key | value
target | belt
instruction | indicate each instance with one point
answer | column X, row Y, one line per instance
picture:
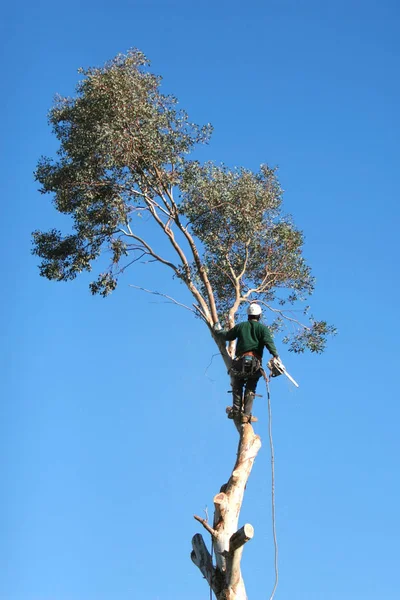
column 250, row 353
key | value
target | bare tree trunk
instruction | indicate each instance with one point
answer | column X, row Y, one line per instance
column 225, row 578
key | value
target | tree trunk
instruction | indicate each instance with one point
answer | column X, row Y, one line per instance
column 225, row 577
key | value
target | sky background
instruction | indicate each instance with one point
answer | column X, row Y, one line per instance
column 113, row 429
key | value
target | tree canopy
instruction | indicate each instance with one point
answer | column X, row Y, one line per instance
column 124, row 151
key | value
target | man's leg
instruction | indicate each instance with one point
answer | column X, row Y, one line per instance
column 237, row 393
column 249, row 393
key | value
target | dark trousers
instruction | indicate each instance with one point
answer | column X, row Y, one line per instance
column 247, row 385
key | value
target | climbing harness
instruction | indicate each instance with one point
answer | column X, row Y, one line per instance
column 276, row 368
column 245, row 366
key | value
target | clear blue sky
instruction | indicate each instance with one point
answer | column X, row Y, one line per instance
column 104, row 457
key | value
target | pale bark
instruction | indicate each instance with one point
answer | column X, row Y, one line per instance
column 221, row 344
column 225, row 578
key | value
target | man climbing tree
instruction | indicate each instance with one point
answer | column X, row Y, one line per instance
column 252, row 336
column 123, row 154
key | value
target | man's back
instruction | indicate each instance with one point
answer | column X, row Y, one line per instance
column 251, row 336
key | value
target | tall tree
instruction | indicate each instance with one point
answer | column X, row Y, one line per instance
column 124, row 151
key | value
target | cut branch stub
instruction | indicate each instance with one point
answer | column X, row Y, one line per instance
column 201, row 556
column 221, row 506
column 242, row 536
column 202, row 559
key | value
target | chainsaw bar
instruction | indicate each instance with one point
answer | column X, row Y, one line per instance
column 277, row 368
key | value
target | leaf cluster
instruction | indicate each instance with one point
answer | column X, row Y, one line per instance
column 123, row 152
column 248, row 242
column 116, row 138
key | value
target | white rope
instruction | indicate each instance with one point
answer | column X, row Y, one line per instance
column 271, row 444
column 212, row 546
column 212, row 553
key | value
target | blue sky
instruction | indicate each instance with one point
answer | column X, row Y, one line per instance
column 113, row 432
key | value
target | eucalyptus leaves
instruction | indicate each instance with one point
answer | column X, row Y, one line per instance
column 124, row 151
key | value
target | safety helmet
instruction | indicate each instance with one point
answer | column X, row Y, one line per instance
column 254, row 310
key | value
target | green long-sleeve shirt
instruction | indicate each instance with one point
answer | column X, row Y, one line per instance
column 251, row 336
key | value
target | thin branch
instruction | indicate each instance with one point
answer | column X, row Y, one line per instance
column 209, row 365
column 170, row 234
column 153, row 203
column 236, row 304
column 282, row 313
column 202, row 315
column 225, row 273
column 209, row 210
column 137, row 287
column 137, row 209
column 265, row 283
column 159, row 193
column 173, row 213
column 133, row 191
column 201, row 270
column 200, row 267
column 260, row 288
column 130, row 233
column 205, row 525
column 122, row 269
column 246, row 258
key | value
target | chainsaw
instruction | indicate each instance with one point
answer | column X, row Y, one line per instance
column 276, row 368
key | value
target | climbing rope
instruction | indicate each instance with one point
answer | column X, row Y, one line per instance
column 212, row 550
column 271, row 444
column 212, row 553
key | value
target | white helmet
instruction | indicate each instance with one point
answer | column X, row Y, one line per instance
column 254, row 310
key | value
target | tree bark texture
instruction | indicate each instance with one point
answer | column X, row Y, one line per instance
column 225, row 577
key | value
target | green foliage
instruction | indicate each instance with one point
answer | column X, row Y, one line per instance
column 313, row 338
column 118, row 138
column 124, row 152
column 236, row 214
column 66, row 256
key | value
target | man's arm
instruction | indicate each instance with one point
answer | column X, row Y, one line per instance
column 269, row 342
column 227, row 335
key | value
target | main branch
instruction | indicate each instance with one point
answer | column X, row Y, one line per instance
column 225, row 577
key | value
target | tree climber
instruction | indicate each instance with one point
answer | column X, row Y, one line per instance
column 251, row 336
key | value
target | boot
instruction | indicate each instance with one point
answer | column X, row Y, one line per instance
column 232, row 413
